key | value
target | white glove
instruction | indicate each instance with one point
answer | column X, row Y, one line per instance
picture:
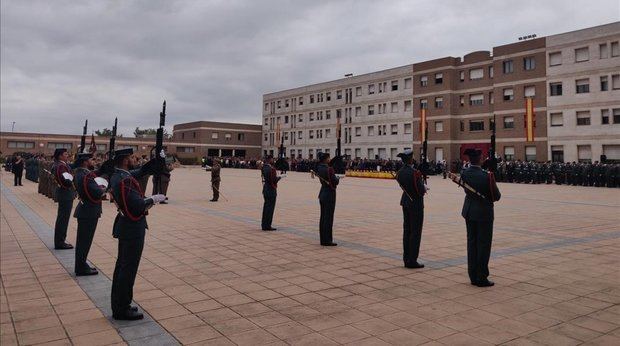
column 67, row 176
column 101, row 182
column 427, row 188
column 282, row 175
column 158, row 198
column 162, row 154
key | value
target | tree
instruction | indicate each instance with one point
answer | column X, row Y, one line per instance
column 148, row 133
column 106, row 132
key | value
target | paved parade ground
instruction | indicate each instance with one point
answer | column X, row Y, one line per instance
column 209, row 275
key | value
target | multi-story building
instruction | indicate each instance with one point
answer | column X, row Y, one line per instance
column 380, row 111
column 583, row 79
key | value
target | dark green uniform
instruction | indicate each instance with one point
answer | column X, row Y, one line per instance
column 270, row 192
column 87, row 213
column 64, row 195
column 327, row 200
column 412, row 202
column 479, row 216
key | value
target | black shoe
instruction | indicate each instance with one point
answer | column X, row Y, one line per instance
column 269, row 229
column 329, row 244
column 128, row 315
column 133, row 308
column 63, row 246
column 89, row 271
column 163, row 202
column 485, row 283
column 213, row 200
column 414, row 265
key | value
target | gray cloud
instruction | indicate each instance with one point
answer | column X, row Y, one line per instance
column 62, row 61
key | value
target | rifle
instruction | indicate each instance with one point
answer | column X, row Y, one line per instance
column 337, row 162
column 460, row 182
column 112, row 141
column 281, row 162
column 491, row 163
column 159, row 147
column 424, row 158
column 83, row 139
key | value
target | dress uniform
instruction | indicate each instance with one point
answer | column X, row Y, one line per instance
column 64, row 196
column 87, row 212
column 129, row 228
column 327, row 199
column 164, row 179
column 270, row 192
column 412, row 202
column 479, row 216
column 215, row 180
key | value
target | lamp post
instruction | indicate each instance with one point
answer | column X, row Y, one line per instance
column 13, row 127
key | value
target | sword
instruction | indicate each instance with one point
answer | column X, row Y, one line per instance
column 218, row 191
column 460, row 182
column 395, row 175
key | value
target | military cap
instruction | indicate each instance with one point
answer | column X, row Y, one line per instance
column 81, row 157
column 59, row 152
column 472, row 152
column 123, row 152
column 405, row 154
column 322, row 156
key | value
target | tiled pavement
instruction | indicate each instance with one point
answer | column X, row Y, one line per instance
column 209, row 276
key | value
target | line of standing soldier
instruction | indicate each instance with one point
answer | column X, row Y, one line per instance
column 575, row 173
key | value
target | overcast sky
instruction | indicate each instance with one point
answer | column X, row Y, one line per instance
column 64, row 61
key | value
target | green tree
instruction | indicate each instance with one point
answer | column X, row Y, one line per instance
column 106, row 132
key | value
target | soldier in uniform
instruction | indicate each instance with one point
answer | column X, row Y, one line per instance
column 87, row 212
column 215, row 180
column 270, row 192
column 327, row 199
column 412, row 201
column 64, row 195
column 165, row 181
column 129, row 228
column 478, row 214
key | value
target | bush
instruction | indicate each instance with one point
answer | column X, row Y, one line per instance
column 189, row 160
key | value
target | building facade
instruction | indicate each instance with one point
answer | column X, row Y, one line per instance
column 380, row 111
column 583, row 84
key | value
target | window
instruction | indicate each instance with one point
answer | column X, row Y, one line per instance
column 301, row 100
column 67, row 146
column 462, row 126
column 603, row 52
column 266, row 138
column 509, row 153
column 529, row 63
column 240, row 136
column 358, row 111
column 371, row 153
column 555, row 59
column 23, row 145
column 491, row 101
column 557, row 153
column 616, row 112
column 615, row 49
column 328, row 96
column 408, row 83
column 476, row 99
column 476, row 73
column 328, row 115
column 311, row 116
column 462, row 76
column 382, row 87
column 582, row 54
column 582, row 86
column 371, row 109
column 394, row 85
column 358, row 131
column 279, row 104
column 227, row 136
column 490, row 71
column 509, row 94
column 328, row 133
column 529, row 91
column 311, row 134
column 438, row 78
column 556, row 119
column 508, row 66
column 583, row 118
column 358, row 91
column 462, row 100
column 604, row 83
column 394, row 129
column 286, row 119
column 339, row 94
column 476, row 125
column 382, row 130
column 423, row 104
column 214, row 135
column 555, row 89
column 584, row 153
column 266, row 106
column 300, row 118
column 286, row 103
column 509, row 122
column 530, row 153
column 185, row 149
column 408, row 105
column 424, row 81
column 408, row 128
column 615, row 81
column 299, row 134
column 371, row 89
column 438, row 102
column 311, row 98
column 438, row 126
column 371, row 130
column 604, row 116
column 394, row 107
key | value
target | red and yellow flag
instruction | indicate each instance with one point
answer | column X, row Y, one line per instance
column 423, row 125
column 530, row 122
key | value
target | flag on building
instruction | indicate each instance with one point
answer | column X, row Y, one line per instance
column 530, row 120
column 423, row 125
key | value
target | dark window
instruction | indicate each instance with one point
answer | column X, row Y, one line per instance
column 509, row 122
column 476, row 125
column 583, row 87
column 240, row 136
column 616, row 115
column 529, row 63
column 286, row 119
column 339, row 94
column 604, row 83
column 438, row 78
column 193, row 134
column 555, row 89
column 605, row 116
column 583, row 121
column 462, row 126
column 508, row 66
column 183, row 135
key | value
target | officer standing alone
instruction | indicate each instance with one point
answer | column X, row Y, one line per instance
column 479, row 215
column 270, row 192
column 215, row 180
column 327, row 199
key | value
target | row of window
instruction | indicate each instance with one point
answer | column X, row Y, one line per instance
column 582, row 54
column 583, row 118
column 582, row 86
column 58, row 145
column 216, row 135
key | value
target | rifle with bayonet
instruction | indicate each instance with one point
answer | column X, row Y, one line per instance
column 83, row 139
column 160, row 156
column 491, row 163
column 337, row 162
column 424, row 156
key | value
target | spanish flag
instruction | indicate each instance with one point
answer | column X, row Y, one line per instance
column 530, row 120
column 423, row 125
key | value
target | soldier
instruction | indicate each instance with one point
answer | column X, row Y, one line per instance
column 165, row 181
column 87, row 212
column 64, row 195
column 129, row 228
column 18, row 170
column 215, row 180
column 412, row 201
column 270, row 192
column 478, row 214
column 327, row 199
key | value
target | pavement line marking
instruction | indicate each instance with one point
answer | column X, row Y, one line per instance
column 97, row 287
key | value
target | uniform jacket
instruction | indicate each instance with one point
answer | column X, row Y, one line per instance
column 270, row 180
column 329, row 181
column 412, row 184
column 64, row 191
column 130, row 221
column 89, row 193
column 215, row 173
column 476, row 208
